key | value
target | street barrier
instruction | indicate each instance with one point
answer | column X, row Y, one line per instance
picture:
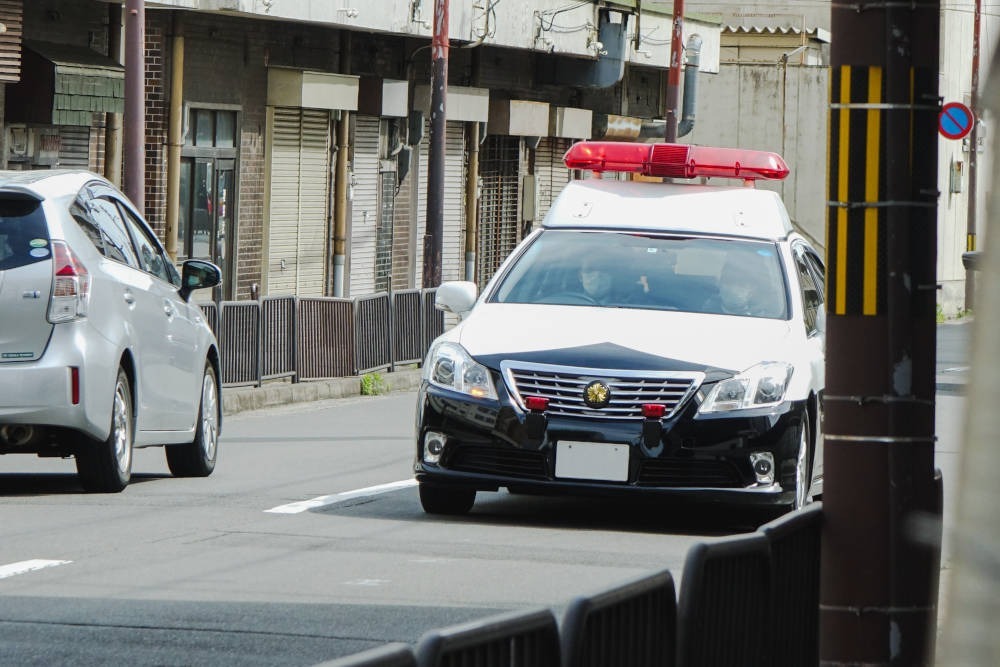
column 725, row 603
column 396, row 654
column 632, row 624
column 320, row 338
column 521, row 638
column 794, row 541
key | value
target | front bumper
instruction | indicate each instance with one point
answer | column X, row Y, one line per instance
column 493, row 444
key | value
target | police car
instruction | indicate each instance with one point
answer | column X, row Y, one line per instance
column 651, row 337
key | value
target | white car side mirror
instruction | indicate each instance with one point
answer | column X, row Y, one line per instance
column 457, row 296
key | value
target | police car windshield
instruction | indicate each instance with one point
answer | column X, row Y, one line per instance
column 627, row 270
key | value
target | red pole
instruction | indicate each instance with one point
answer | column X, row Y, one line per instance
column 674, row 73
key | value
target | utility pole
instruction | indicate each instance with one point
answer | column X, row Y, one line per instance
column 435, row 166
column 877, row 585
column 674, row 73
column 134, row 139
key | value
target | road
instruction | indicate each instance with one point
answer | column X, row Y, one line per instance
column 295, row 551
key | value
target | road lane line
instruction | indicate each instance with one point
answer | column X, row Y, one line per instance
column 323, row 501
column 24, row 566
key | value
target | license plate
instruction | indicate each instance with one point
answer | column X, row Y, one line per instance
column 592, row 460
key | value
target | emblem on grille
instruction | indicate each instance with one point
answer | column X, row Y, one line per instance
column 596, row 394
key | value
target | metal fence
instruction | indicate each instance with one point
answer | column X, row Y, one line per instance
column 317, row 338
column 745, row 600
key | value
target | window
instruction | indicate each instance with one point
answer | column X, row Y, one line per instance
column 811, row 286
column 117, row 244
column 151, row 257
column 24, row 238
column 211, row 128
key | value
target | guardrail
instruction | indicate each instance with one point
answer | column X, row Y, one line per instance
column 319, row 338
column 745, row 600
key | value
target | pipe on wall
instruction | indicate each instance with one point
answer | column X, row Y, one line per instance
column 113, row 120
column 471, row 200
column 342, row 177
column 175, row 138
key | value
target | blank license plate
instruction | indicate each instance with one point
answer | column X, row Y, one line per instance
column 592, row 460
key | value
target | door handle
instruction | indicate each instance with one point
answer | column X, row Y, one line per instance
column 168, row 310
column 129, row 297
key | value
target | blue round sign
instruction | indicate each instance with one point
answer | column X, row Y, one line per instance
column 955, row 120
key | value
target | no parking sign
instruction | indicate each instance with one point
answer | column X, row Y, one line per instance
column 955, row 120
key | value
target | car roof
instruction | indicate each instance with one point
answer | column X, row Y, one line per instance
column 670, row 207
column 46, row 183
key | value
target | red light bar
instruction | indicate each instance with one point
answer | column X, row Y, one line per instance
column 536, row 403
column 653, row 410
column 675, row 160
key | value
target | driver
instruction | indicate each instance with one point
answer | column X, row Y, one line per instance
column 596, row 280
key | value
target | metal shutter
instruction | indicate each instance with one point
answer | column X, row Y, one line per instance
column 499, row 165
column 298, row 195
column 453, row 226
column 364, row 205
column 550, row 172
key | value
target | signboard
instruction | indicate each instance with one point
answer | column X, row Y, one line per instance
column 955, row 120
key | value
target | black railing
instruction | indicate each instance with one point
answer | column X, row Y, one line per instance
column 317, row 338
column 745, row 600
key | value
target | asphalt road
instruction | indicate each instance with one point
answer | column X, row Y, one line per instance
column 295, row 551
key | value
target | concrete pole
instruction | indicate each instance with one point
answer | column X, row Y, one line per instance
column 135, row 103
column 973, row 205
column 674, row 73
column 435, row 167
column 878, row 584
column 175, row 138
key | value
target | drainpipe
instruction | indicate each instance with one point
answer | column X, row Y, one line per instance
column 175, row 131
column 112, row 119
column 674, row 73
column 135, row 101
column 342, row 178
column 693, row 52
column 471, row 201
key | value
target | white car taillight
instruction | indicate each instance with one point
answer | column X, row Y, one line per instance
column 70, row 285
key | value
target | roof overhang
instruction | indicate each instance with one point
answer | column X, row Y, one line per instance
column 64, row 85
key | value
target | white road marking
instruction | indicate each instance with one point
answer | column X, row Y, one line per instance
column 367, row 582
column 24, row 566
column 323, row 501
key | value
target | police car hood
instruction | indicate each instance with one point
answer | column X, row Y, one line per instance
column 621, row 338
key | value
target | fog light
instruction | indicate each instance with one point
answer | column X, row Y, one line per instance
column 763, row 467
column 433, row 446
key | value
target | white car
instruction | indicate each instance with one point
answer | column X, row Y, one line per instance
column 651, row 338
column 101, row 349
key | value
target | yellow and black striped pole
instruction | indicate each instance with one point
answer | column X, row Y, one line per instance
column 878, row 586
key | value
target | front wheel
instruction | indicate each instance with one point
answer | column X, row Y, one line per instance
column 446, row 500
column 802, row 478
column 197, row 458
column 106, row 466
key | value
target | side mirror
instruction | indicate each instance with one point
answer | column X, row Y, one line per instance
column 972, row 260
column 198, row 274
column 457, row 296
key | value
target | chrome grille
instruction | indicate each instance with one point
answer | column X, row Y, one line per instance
column 564, row 385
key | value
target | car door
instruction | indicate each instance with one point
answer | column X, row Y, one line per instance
column 25, row 279
column 181, row 359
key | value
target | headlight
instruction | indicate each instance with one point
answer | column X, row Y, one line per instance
column 760, row 386
column 450, row 366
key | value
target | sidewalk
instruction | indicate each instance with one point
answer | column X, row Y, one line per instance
column 282, row 392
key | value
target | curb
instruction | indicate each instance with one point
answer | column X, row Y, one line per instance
column 283, row 392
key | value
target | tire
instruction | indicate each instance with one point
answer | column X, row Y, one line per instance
column 106, row 466
column 802, row 477
column 197, row 458
column 446, row 500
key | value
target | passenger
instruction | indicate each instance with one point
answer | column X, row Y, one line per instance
column 744, row 290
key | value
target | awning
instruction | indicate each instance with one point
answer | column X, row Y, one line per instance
column 64, row 85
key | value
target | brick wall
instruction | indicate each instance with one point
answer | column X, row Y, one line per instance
column 156, row 129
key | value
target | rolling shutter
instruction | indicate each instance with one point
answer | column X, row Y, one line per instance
column 299, row 196
column 550, row 172
column 364, row 205
column 499, row 165
column 453, row 224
